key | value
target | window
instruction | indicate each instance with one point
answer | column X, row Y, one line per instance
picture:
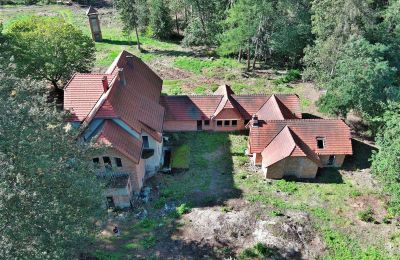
column 227, row 123
column 206, row 122
column 219, row 123
column 118, row 162
column 234, row 122
column 331, row 160
column 96, row 161
column 145, row 141
column 107, row 161
column 320, row 142
column 246, row 122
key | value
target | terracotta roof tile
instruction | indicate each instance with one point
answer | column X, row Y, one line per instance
column 336, row 133
column 136, row 102
column 116, row 137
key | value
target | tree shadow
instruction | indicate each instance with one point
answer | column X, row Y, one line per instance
column 360, row 159
column 118, row 42
column 174, row 53
column 310, row 116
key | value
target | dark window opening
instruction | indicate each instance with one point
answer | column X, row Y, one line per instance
column 246, row 122
column 118, row 162
column 96, row 160
column 227, row 123
column 145, row 141
column 110, row 202
column 199, row 125
column 331, row 160
column 320, row 142
column 107, row 161
column 206, row 122
column 234, row 122
column 219, row 123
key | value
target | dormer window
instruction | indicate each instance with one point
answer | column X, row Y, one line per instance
column 321, row 142
column 145, row 141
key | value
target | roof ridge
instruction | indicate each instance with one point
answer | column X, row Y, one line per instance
column 306, row 119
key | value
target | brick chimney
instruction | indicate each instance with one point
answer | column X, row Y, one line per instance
column 254, row 121
column 105, row 83
column 121, row 75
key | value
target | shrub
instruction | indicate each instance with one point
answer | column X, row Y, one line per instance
column 286, row 186
column 182, row 209
column 366, row 215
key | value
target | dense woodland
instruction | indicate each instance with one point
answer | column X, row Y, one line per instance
column 350, row 48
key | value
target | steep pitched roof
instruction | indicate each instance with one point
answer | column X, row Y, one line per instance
column 116, row 137
column 227, row 103
column 336, row 133
column 136, row 102
column 274, row 109
column 82, row 92
column 285, row 144
column 201, row 107
column 252, row 103
column 91, row 10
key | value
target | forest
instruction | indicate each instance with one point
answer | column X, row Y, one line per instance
column 348, row 49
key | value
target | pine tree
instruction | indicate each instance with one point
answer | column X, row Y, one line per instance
column 160, row 19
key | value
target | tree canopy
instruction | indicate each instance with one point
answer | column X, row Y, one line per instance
column 49, row 196
column 49, row 48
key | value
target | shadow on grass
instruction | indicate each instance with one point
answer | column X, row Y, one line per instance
column 360, row 159
column 118, row 42
column 173, row 53
column 324, row 175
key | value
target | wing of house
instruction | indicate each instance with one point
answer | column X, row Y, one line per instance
column 225, row 111
column 298, row 146
column 120, row 109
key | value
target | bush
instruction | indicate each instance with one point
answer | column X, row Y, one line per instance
column 259, row 251
column 366, row 215
column 182, row 209
column 290, row 76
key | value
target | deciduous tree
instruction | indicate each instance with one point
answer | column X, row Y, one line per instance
column 49, row 196
column 49, row 48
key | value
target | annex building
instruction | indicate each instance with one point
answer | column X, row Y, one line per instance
column 123, row 109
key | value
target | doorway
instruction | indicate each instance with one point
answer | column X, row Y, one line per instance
column 199, row 125
column 110, row 202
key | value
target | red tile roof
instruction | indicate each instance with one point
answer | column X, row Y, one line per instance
column 336, row 133
column 116, row 137
column 286, row 144
column 194, row 107
column 82, row 92
column 274, row 109
column 201, row 107
column 136, row 102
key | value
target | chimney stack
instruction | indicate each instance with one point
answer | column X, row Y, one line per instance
column 254, row 121
column 105, row 83
column 121, row 75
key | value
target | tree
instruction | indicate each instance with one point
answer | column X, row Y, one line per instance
column 386, row 162
column 50, row 198
column 205, row 21
column 160, row 19
column 276, row 31
column 363, row 81
column 129, row 11
column 333, row 23
column 177, row 6
column 49, row 48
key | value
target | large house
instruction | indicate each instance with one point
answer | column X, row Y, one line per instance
column 123, row 109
